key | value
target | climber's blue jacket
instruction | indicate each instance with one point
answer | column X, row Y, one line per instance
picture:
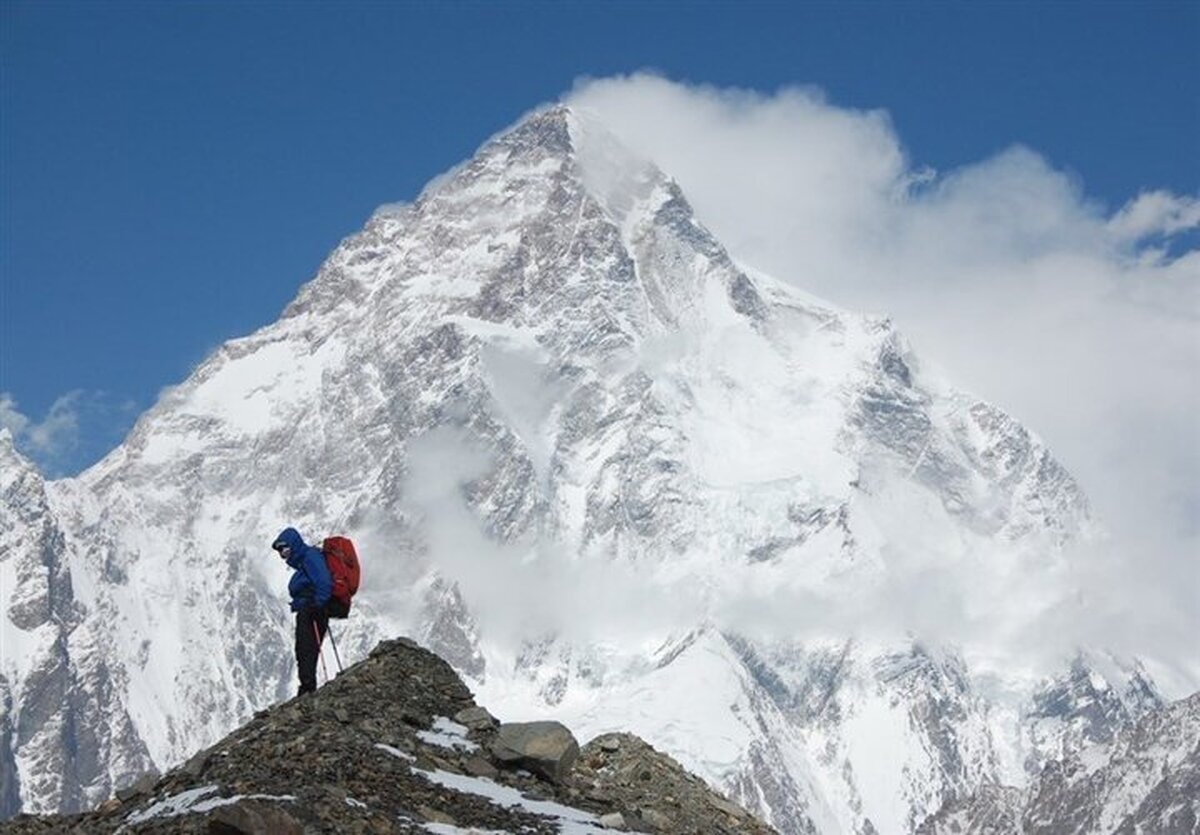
column 311, row 585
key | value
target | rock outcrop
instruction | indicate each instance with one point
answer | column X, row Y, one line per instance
column 396, row 744
column 654, row 791
column 1146, row 779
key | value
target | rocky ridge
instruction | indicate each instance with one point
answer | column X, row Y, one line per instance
column 396, row 744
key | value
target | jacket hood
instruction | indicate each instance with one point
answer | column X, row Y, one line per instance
column 292, row 539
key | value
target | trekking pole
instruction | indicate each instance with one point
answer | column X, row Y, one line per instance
column 320, row 652
column 333, row 643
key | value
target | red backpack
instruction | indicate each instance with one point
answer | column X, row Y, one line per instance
column 342, row 560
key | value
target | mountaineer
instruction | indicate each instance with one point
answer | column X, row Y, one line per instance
column 311, row 587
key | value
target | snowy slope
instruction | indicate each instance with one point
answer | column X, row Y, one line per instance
column 602, row 469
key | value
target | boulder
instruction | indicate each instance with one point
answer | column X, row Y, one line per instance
column 194, row 767
column 250, row 817
column 732, row 809
column 476, row 718
column 657, row 821
column 436, row 816
column 614, row 820
column 479, row 767
column 545, row 748
column 143, row 785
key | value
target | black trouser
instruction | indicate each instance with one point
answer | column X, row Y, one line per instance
column 309, row 623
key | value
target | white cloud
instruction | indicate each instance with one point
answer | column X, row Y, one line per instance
column 51, row 440
column 10, row 416
column 524, row 589
column 1155, row 213
column 1005, row 273
column 58, row 432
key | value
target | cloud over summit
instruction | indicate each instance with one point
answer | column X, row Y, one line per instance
column 1081, row 320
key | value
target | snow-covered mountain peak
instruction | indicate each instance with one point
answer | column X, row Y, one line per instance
column 555, row 200
column 563, row 426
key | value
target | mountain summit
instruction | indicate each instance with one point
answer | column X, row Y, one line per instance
column 598, row 466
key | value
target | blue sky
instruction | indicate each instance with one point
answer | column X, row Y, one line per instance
column 171, row 173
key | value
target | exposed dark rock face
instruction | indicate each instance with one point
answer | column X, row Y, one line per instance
column 993, row 810
column 1145, row 779
column 1091, row 715
column 375, row 751
column 10, row 794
